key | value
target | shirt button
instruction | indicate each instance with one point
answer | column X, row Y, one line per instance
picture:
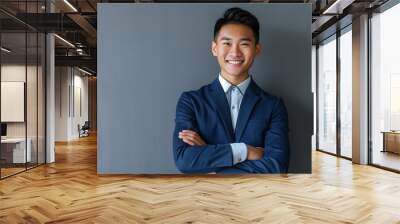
column 233, row 107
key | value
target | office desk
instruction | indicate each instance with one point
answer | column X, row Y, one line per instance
column 391, row 141
column 15, row 148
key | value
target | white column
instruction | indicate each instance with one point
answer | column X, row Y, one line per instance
column 50, row 110
column 50, row 92
column 360, row 90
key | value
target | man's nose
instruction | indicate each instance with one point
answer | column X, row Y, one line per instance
column 235, row 49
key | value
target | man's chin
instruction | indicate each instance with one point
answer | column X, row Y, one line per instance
column 235, row 74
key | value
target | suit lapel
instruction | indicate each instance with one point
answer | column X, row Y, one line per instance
column 220, row 102
column 250, row 99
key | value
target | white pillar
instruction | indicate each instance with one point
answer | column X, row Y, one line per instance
column 360, row 90
column 50, row 91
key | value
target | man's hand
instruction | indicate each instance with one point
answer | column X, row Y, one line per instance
column 254, row 153
column 191, row 138
column 194, row 139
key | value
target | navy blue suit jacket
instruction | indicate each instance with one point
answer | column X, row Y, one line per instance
column 262, row 122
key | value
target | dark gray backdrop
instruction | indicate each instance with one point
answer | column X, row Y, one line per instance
column 148, row 54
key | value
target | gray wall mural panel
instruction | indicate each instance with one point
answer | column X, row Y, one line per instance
column 148, row 54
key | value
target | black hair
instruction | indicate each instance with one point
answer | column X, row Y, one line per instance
column 238, row 16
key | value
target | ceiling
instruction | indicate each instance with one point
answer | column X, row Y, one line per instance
column 76, row 22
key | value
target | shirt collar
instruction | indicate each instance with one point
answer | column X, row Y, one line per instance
column 242, row 86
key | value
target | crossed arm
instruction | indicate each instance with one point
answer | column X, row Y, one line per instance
column 194, row 139
column 193, row 155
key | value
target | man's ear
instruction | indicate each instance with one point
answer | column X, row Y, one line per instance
column 258, row 49
column 214, row 48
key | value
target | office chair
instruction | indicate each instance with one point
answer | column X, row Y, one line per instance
column 84, row 130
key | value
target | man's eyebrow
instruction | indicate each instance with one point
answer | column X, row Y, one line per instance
column 242, row 39
column 225, row 38
column 245, row 39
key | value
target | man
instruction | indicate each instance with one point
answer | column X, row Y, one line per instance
column 232, row 125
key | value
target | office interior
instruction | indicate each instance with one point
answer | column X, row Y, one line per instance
column 49, row 75
column 32, row 118
column 334, row 73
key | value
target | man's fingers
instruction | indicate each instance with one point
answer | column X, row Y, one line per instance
column 188, row 141
column 186, row 133
column 199, row 141
column 189, row 131
column 188, row 136
column 192, row 137
column 192, row 140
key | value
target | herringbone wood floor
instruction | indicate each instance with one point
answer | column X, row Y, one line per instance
column 70, row 191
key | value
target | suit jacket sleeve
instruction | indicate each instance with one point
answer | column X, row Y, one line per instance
column 276, row 145
column 277, row 148
column 196, row 159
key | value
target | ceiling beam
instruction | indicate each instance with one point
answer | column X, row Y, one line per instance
column 84, row 24
column 84, row 61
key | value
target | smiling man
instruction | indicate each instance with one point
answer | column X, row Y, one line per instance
column 231, row 125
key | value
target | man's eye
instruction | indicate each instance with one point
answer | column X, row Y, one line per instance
column 245, row 44
column 226, row 43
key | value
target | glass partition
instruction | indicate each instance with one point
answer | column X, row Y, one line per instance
column 22, row 78
column 385, row 89
column 14, row 153
column 327, row 95
column 32, row 95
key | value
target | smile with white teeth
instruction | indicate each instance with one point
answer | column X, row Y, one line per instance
column 235, row 62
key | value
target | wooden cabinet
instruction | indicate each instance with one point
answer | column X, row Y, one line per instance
column 391, row 142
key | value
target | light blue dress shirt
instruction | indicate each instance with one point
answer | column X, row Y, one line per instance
column 234, row 95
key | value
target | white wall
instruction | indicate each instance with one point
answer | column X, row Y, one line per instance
column 61, row 103
column 70, row 83
column 80, row 110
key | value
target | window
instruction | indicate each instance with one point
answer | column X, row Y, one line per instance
column 346, row 92
column 327, row 95
column 385, row 88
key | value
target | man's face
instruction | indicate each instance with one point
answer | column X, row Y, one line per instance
column 235, row 48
